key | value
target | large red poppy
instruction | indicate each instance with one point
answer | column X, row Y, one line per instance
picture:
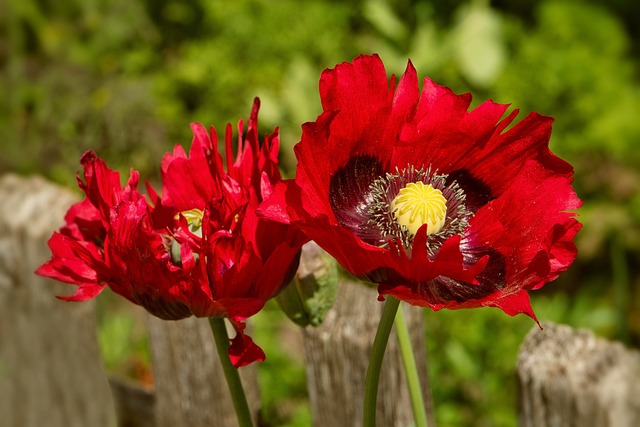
column 441, row 206
column 198, row 249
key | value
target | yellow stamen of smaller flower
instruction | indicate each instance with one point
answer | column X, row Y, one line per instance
column 193, row 217
column 417, row 204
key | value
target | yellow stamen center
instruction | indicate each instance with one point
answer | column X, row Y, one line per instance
column 417, row 204
column 193, row 217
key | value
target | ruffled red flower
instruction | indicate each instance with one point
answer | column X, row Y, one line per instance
column 498, row 225
column 199, row 249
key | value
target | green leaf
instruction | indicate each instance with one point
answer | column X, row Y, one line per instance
column 382, row 17
column 478, row 44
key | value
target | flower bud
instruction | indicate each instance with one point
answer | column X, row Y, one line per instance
column 310, row 295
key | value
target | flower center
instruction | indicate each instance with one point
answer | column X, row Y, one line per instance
column 194, row 219
column 400, row 203
column 417, row 204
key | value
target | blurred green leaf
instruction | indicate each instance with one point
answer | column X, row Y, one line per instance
column 380, row 14
column 478, row 43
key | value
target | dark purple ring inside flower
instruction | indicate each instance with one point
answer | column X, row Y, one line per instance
column 381, row 206
column 362, row 194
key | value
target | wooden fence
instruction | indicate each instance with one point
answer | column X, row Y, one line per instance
column 51, row 372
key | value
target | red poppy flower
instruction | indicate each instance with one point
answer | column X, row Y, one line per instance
column 199, row 249
column 441, row 206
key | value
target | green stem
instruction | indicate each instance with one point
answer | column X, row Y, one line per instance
column 221, row 338
column 375, row 360
column 410, row 370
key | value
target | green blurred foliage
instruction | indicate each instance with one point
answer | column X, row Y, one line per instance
column 126, row 78
column 123, row 339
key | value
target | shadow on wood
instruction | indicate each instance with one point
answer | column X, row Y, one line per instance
column 135, row 405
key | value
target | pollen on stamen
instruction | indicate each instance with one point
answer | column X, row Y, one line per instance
column 403, row 201
column 417, row 204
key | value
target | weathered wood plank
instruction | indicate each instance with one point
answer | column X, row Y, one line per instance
column 337, row 355
column 570, row 378
column 50, row 366
column 190, row 387
column 135, row 405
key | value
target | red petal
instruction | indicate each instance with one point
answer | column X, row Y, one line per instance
column 432, row 132
column 83, row 293
column 405, row 98
column 188, row 182
column 563, row 249
column 357, row 100
column 509, row 151
column 73, row 261
column 244, row 351
column 275, row 207
column 513, row 304
column 355, row 87
column 83, row 222
column 238, row 309
column 537, row 238
column 102, row 185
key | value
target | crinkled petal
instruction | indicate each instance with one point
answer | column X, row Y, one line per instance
column 243, row 351
column 276, row 207
column 188, row 181
column 83, row 222
column 75, row 262
column 517, row 193
column 102, row 185
column 513, row 304
column 537, row 239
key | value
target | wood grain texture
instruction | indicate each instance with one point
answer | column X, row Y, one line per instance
column 190, row 388
column 337, row 356
column 571, row 378
column 51, row 371
column 135, row 405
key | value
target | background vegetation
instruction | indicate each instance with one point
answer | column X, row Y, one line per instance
column 125, row 78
